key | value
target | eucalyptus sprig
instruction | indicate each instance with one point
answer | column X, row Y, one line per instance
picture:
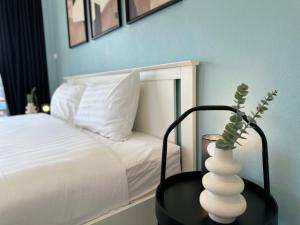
column 237, row 127
column 31, row 95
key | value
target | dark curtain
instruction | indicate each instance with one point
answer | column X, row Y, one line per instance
column 23, row 62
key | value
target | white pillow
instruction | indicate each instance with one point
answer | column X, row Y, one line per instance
column 65, row 101
column 109, row 107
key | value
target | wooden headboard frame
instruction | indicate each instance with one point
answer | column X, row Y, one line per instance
column 161, row 101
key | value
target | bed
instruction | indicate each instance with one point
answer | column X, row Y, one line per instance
column 66, row 175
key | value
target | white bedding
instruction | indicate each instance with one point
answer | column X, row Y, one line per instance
column 59, row 177
column 141, row 155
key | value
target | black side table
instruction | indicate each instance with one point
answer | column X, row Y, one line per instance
column 178, row 203
column 177, row 198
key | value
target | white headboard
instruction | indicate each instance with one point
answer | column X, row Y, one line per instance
column 159, row 105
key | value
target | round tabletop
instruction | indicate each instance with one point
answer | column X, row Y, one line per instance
column 177, row 203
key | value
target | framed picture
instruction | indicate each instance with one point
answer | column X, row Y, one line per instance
column 137, row 9
column 77, row 23
column 105, row 16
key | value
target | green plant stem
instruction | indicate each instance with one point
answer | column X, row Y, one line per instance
column 254, row 116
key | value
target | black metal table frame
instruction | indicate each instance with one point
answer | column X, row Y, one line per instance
column 217, row 108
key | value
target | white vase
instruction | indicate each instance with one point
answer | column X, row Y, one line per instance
column 30, row 108
column 222, row 197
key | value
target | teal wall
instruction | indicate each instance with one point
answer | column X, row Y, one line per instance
column 256, row 42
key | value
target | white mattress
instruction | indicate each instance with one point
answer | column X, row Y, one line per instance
column 54, row 173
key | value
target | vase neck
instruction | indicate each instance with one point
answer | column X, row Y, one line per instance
column 223, row 154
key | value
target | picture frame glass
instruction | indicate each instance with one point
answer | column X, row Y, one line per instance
column 137, row 9
column 77, row 23
column 105, row 16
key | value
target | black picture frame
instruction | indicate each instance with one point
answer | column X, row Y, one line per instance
column 85, row 27
column 130, row 19
column 119, row 13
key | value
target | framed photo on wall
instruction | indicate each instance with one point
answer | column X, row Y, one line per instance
column 105, row 16
column 77, row 23
column 137, row 9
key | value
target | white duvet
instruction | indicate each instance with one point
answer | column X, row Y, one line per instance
column 54, row 174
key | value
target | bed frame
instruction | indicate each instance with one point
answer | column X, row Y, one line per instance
column 166, row 91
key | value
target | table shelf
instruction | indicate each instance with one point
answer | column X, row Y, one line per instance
column 177, row 203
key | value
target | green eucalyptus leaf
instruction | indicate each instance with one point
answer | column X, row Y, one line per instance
column 251, row 120
column 242, row 87
column 238, row 96
column 244, row 132
column 236, row 118
column 270, row 97
column 242, row 92
column 234, row 134
column 228, row 140
column 232, row 129
column 231, row 126
column 229, row 137
column 241, row 113
column 223, row 145
column 239, row 125
column 241, row 101
column 29, row 98
column 260, row 108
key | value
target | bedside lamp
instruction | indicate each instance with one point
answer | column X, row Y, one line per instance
column 45, row 108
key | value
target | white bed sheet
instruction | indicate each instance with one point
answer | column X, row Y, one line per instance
column 141, row 155
column 59, row 182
